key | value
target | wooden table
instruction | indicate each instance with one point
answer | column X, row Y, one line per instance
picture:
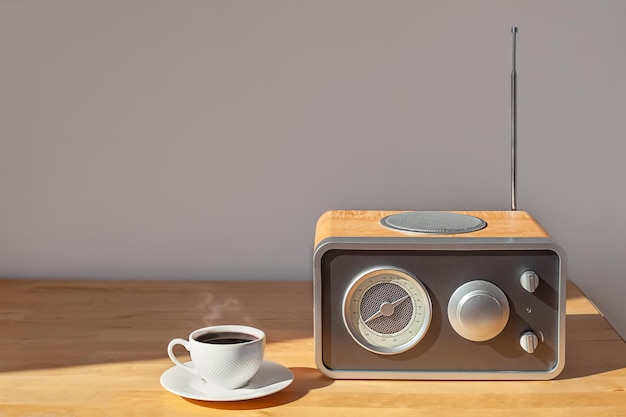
column 98, row 348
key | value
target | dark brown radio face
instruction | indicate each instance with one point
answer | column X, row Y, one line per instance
column 491, row 309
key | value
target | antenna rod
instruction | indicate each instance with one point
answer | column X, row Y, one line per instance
column 514, row 126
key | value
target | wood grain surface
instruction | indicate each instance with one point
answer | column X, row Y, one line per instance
column 98, row 348
column 366, row 223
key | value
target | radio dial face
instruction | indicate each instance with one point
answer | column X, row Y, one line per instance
column 387, row 310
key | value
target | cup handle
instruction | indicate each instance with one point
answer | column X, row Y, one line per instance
column 173, row 357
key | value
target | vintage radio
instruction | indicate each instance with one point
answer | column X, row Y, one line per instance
column 439, row 294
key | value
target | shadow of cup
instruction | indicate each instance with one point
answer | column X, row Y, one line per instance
column 305, row 380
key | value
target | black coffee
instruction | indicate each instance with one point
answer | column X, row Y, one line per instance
column 225, row 338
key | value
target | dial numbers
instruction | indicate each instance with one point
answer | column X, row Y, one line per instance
column 387, row 310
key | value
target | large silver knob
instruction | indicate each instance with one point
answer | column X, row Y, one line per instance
column 478, row 310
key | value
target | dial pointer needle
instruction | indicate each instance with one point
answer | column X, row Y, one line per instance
column 386, row 309
column 398, row 301
column 373, row 316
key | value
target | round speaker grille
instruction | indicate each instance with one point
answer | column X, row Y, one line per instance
column 386, row 293
column 442, row 222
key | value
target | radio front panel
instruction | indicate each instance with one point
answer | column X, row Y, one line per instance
column 423, row 308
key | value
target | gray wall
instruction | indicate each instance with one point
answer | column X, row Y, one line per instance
column 202, row 139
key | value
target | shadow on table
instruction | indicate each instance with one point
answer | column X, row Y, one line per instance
column 305, row 380
column 591, row 347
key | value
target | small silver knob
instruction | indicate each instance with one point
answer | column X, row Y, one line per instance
column 529, row 342
column 529, row 281
column 478, row 310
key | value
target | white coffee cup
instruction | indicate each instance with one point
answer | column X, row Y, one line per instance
column 225, row 356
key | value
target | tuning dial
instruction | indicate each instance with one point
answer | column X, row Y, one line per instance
column 478, row 310
column 529, row 341
column 529, row 281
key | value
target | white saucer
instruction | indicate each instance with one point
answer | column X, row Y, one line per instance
column 271, row 378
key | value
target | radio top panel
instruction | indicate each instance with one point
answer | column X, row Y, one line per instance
column 367, row 223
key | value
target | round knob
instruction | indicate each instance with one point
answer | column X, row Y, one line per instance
column 529, row 281
column 478, row 310
column 529, row 341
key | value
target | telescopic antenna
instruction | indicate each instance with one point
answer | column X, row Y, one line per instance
column 514, row 126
